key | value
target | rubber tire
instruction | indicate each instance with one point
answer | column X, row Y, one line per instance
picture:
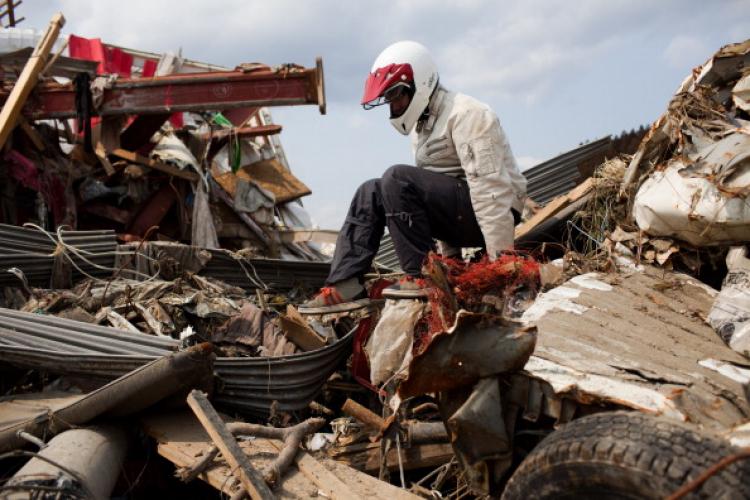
column 626, row 455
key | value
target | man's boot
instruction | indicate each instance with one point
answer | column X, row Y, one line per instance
column 345, row 295
column 407, row 287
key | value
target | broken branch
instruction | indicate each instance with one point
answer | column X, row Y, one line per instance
column 291, row 436
column 187, row 474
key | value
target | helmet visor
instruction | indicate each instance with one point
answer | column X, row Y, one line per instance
column 393, row 92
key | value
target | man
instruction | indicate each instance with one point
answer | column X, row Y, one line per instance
column 466, row 190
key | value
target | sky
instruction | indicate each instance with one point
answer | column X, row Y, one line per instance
column 556, row 72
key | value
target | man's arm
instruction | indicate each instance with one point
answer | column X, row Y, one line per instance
column 486, row 158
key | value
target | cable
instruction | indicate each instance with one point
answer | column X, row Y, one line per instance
column 74, row 475
column 711, row 471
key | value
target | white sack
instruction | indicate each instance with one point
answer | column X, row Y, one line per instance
column 681, row 202
column 389, row 347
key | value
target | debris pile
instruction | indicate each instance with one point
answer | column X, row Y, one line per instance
column 687, row 182
column 164, row 253
column 191, row 155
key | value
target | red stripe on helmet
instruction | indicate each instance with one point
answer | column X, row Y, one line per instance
column 382, row 78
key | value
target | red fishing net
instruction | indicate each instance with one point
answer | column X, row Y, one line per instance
column 474, row 286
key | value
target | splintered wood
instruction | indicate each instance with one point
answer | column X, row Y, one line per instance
column 554, row 207
column 182, row 441
column 250, row 478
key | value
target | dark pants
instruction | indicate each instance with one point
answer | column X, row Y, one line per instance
column 417, row 206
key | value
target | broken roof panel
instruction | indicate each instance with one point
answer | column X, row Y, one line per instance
column 560, row 174
column 637, row 340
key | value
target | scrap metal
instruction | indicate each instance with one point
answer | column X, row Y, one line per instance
column 33, row 251
column 94, row 454
column 186, row 92
column 129, row 394
column 250, row 385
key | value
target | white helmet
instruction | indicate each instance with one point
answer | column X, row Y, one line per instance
column 406, row 66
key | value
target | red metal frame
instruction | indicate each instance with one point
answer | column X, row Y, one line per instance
column 186, row 92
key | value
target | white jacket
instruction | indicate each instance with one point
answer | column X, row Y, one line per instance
column 462, row 137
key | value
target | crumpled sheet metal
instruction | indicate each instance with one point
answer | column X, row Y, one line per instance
column 290, row 382
column 246, row 384
column 590, row 388
column 478, row 433
column 129, row 394
column 477, row 346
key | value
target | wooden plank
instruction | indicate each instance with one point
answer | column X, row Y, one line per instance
column 555, row 206
column 303, row 235
column 28, row 78
column 134, row 157
column 298, row 331
column 250, row 478
column 324, row 479
column 366, row 456
column 262, row 130
column 272, row 176
column 31, row 133
column 182, row 441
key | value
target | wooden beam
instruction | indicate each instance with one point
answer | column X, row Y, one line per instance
column 298, row 331
column 250, row 478
column 31, row 133
column 364, row 415
column 555, row 206
column 328, row 482
column 10, row 5
column 261, row 130
column 28, row 78
column 366, row 456
column 182, row 441
column 134, row 157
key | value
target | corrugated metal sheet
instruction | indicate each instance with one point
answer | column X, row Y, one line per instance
column 33, row 252
column 278, row 275
column 249, row 385
column 232, row 268
column 560, row 174
column 386, row 257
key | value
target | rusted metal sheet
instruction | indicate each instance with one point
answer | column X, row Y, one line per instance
column 635, row 340
column 476, row 346
column 154, row 211
column 186, row 92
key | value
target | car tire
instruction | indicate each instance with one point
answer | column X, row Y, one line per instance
column 626, row 455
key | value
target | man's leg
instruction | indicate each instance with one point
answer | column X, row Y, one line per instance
column 359, row 238
column 421, row 205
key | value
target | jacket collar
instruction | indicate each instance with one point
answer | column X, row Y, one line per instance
column 433, row 110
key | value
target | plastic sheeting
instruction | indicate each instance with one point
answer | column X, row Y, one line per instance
column 730, row 314
column 203, row 229
column 703, row 203
column 389, row 346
